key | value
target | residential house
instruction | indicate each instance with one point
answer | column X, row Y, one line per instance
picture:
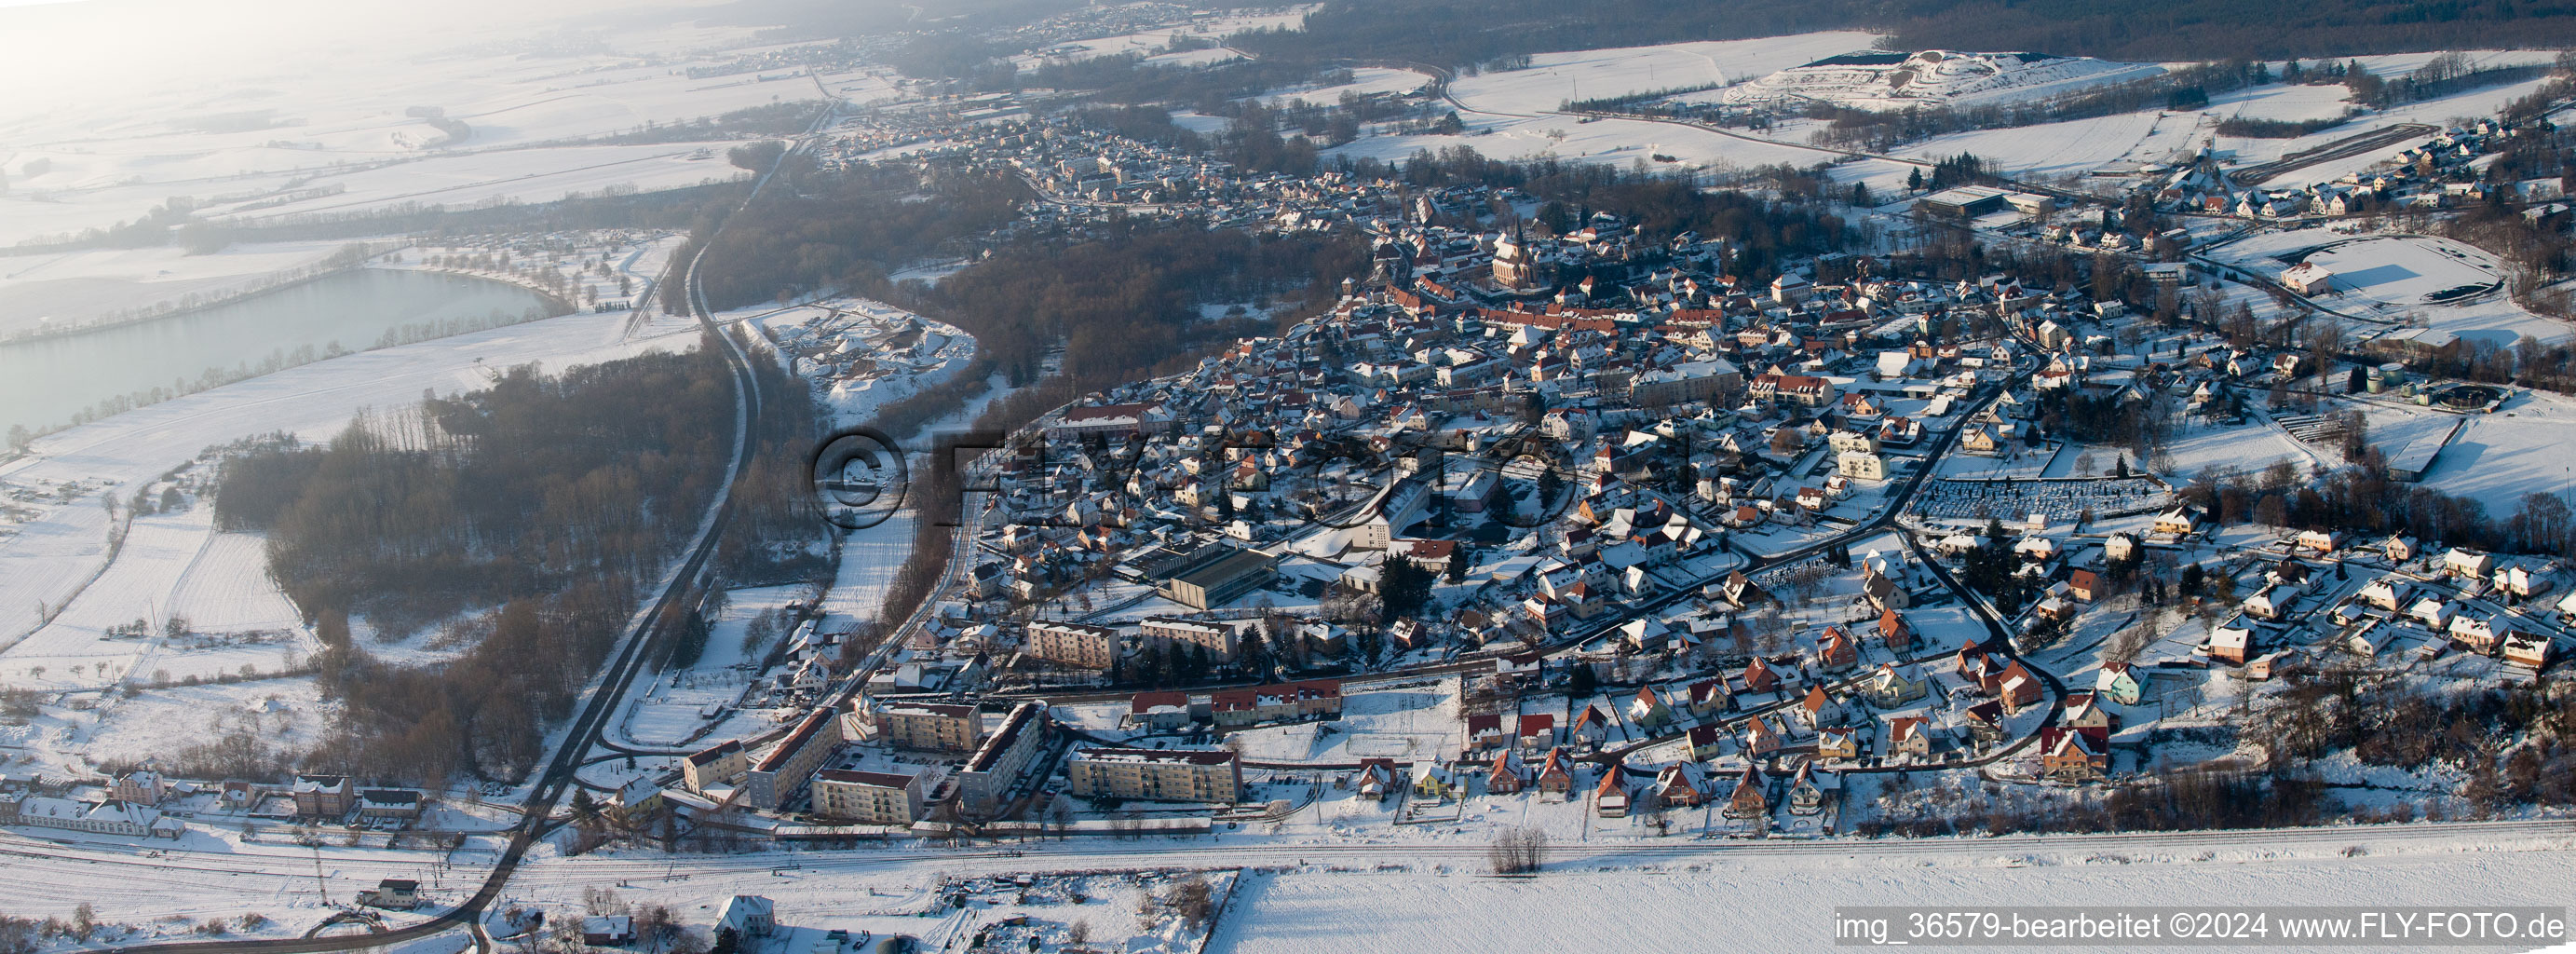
column 1647, row 709
column 1806, row 794
column 749, row 916
column 1820, row 709
column 2085, row 711
column 324, row 796
column 2232, row 642
column 1984, row 722
column 1909, row 736
column 1838, row 744
column 1537, row 731
column 1895, row 632
column 2528, row 649
column 1752, row 795
column 608, row 930
column 2086, row 585
column 1610, row 799
column 2073, row 754
column 1378, row 778
column 1836, row 652
column 2118, row 682
column 1556, row 776
column 2468, row 564
column 1759, row 677
column 1681, row 785
column 2180, row 521
column 1506, row 775
column 1895, row 685
column 1591, row 729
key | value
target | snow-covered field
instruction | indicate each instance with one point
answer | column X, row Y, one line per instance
column 2052, row 149
column 1891, row 81
column 517, row 175
column 221, row 124
column 1509, row 114
column 1153, row 41
column 2500, row 457
column 2385, row 279
column 287, row 714
column 2407, row 271
column 74, row 650
column 227, row 588
column 1403, row 725
column 1594, row 74
column 1617, row 141
column 1365, row 81
column 1790, row 904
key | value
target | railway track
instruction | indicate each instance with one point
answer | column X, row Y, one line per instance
column 583, row 733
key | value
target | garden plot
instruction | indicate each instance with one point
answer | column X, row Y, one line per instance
column 680, row 704
column 228, row 589
column 77, row 649
column 1403, row 725
column 287, row 714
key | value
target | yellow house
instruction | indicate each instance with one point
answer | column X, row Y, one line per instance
column 1977, row 440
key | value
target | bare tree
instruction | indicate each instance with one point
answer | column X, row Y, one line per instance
column 1518, row 850
column 1192, row 902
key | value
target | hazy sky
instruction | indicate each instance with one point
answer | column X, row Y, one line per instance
column 56, row 55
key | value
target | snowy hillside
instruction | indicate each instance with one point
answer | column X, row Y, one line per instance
column 1878, row 80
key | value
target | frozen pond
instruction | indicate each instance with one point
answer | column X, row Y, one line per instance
column 46, row 381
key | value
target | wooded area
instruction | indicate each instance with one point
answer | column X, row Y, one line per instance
column 1125, row 300
column 525, row 517
column 847, row 229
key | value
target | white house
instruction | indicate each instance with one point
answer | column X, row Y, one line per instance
column 2465, row 563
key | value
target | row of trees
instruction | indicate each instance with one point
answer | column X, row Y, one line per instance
column 2165, row 801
